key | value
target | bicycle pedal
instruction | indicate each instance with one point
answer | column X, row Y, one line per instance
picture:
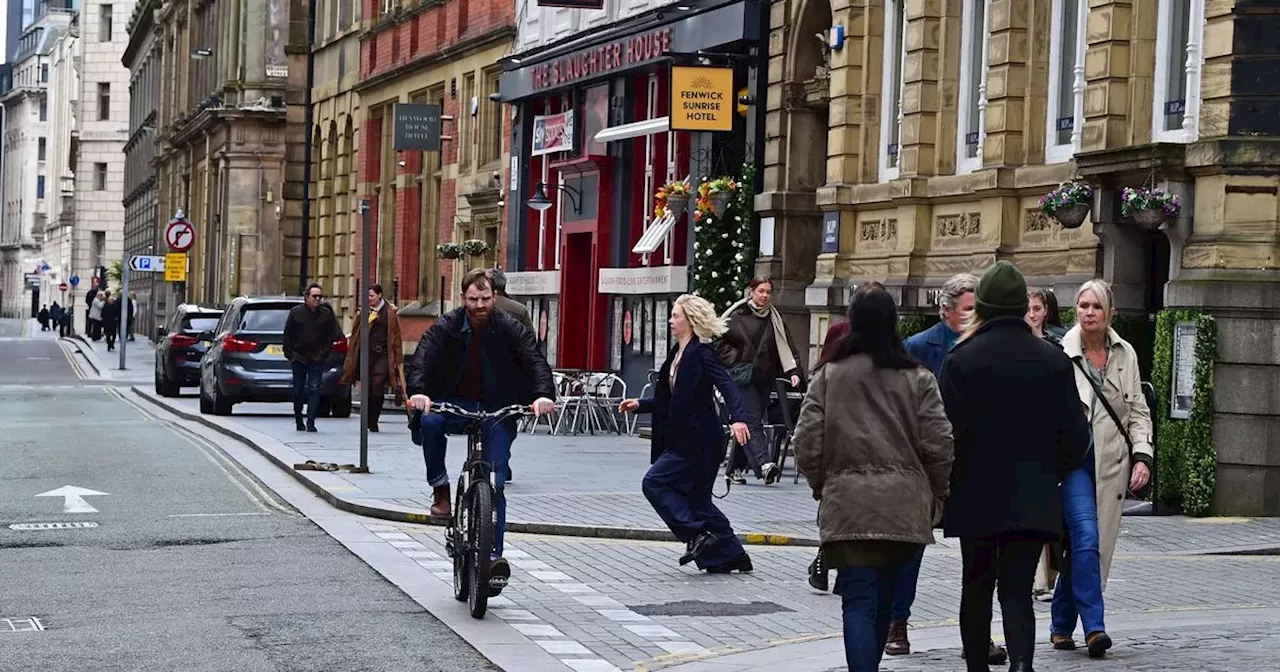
column 497, row 583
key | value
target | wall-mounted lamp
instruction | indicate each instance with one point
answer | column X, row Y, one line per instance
column 540, row 203
column 203, row 52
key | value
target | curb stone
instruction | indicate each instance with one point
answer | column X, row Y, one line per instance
column 406, row 515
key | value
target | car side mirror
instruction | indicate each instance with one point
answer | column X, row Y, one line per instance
column 206, row 336
column 161, row 332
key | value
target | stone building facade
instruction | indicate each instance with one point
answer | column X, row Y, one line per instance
column 445, row 54
column 57, row 153
column 142, row 233
column 939, row 123
column 331, row 259
column 231, row 141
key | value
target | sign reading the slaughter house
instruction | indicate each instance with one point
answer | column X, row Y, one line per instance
column 701, row 98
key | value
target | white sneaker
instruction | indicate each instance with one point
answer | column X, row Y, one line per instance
column 738, row 476
column 771, row 473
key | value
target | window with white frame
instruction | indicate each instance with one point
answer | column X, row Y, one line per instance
column 650, row 152
column 1179, row 35
column 545, row 178
column 895, row 20
column 566, row 105
column 973, row 86
column 1065, row 111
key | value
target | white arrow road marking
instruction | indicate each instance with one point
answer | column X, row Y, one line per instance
column 73, row 501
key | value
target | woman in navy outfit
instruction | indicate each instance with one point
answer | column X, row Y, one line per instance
column 688, row 441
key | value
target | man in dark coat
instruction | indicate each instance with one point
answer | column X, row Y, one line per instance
column 309, row 334
column 476, row 357
column 507, row 304
column 1019, row 430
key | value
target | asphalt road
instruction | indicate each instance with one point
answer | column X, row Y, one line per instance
column 190, row 564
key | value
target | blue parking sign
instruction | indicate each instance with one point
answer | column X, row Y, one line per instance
column 74, row 280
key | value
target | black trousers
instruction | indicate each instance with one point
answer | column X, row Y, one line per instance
column 755, row 403
column 1008, row 561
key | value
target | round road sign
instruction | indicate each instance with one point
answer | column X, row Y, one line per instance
column 75, row 280
column 63, row 287
column 180, row 235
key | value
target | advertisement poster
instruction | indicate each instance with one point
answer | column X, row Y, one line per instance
column 660, row 338
column 552, row 133
column 551, row 319
column 616, row 354
column 648, row 326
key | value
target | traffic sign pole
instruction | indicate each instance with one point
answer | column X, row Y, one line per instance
column 124, row 311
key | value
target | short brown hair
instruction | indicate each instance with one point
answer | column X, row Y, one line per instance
column 760, row 280
column 477, row 277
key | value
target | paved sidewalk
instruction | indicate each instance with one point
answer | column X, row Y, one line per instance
column 140, row 358
column 590, row 486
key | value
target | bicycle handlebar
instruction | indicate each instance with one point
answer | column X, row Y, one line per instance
column 500, row 414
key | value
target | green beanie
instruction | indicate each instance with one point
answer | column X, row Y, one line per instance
column 1001, row 291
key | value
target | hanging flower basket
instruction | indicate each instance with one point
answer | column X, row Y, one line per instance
column 1069, row 203
column 720, row 202
column 449, row 251
column 475, row 247
column 673, row 196
column 1148, row 206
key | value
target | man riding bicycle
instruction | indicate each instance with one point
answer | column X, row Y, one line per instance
column 478, row 358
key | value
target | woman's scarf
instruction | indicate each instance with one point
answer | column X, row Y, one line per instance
column 780, row 342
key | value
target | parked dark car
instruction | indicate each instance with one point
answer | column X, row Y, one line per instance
column 179, row 348
column 246, row 360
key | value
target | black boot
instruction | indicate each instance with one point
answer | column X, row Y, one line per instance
column 1020, row 666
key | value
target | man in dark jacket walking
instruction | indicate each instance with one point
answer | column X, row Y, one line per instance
column 309, row 333
column 507, row 304
column 1019, row 430
column 476, row 357
column 111, row 321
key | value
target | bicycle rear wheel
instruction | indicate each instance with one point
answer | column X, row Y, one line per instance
column 481, row 528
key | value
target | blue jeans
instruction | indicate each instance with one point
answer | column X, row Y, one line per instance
column 306, row 388
column 1079, row 590
column 904, row 592
column 496, row 437
column 866, row 596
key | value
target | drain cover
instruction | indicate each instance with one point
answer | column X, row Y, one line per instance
column 30, row 624
column 712, row 609
column 52, row 526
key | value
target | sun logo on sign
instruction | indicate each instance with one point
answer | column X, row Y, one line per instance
column 702, row 83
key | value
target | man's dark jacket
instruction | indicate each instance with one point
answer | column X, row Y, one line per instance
column 515, row 372
column 1019, row 430
column 309, row 334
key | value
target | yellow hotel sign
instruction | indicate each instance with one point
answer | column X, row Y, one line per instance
column 701, row 98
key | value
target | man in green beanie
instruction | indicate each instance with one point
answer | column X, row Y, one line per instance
column 1012, row 401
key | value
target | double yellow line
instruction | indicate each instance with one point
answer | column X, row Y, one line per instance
column 71, row 359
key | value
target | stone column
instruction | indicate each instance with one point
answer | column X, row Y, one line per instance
column 919, row 135
column 1006, row 83
column 1230, row 265
column 1107, row 70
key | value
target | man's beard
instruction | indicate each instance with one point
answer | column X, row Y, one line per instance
column 479, row 317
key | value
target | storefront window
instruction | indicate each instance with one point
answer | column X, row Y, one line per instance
column 595, row 118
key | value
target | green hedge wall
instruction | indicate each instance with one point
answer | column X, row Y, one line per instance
column 1186, row 463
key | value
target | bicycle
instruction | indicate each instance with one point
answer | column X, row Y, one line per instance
column 469, row 538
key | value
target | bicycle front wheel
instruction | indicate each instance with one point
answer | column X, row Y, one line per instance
column 481, row 536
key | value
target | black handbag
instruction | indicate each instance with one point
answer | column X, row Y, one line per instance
column 744, row 373
column 1145, row 490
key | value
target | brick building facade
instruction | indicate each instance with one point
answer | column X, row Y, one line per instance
column 444, row 54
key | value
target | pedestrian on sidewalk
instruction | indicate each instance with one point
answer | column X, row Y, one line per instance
column 955, row 307
column 818, row 569
column 1038, row 318
column 1019, row 431
column 111, row 321
column 64, row 322
column 133, row 315
column 875, row 445
column 476, row 357
column 768, row 352
column 43, row 317
column 386, row 353
column 687, row 440
column 309, row 334
column 1109, row 390
column 507, row 304
column 97, row 300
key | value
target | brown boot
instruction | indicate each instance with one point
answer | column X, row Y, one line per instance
column 440, row 506
column 897, row 644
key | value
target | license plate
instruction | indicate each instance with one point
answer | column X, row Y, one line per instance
column 275, row 350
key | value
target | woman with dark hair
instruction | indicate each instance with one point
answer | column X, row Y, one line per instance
column 1053, row 316
column 830, row 346
column 874, row 443
column 767, row 352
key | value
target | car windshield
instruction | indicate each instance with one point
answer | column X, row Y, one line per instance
column 264, row 318
column 203, row 322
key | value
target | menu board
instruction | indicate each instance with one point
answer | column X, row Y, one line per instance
column 1184, row 370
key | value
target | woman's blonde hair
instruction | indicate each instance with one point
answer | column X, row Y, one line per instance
column 1106, row 298
column 970, row 327
column 706, row 325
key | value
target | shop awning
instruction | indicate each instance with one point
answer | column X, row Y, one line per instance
column 635, row 129
column 656, row 234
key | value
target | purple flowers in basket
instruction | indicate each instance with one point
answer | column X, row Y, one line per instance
column 1148, row 198
column 1067, row 194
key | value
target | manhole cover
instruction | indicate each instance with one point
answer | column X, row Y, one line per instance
column 51, row 526
column 30, row 624
column 713, row 609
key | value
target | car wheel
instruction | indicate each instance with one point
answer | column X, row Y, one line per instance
column 340, row 407
column 164, row 388
column 206, row 406
column 221, row 405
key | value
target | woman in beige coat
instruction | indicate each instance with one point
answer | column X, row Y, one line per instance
column 875, row 444
column 1121, row 458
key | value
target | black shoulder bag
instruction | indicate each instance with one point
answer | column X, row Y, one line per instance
column 1115, row 417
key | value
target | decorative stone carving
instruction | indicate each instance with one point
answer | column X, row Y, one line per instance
column 1037, row 221
column 960, row 225
column 880, row 231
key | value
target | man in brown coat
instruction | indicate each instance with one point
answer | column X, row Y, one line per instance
column 386, row 353
column 507, row 304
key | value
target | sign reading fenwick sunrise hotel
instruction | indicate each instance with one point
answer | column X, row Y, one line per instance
column 616, row 55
